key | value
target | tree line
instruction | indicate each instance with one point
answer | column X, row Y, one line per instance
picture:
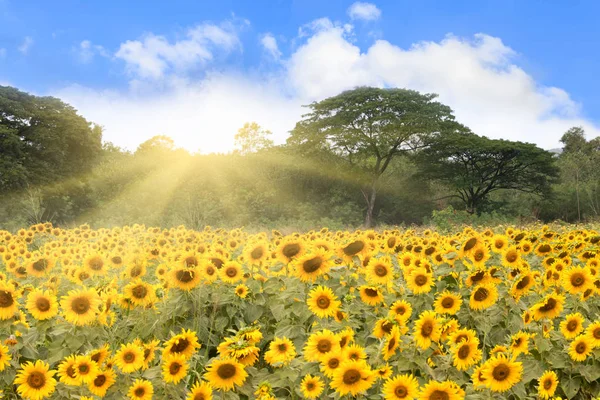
column 364, row 157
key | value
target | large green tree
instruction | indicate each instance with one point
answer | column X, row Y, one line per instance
column 474, row 166
column 43, row 140
column 368, row 127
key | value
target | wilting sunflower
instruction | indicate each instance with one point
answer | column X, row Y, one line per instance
column 185, row 343
column 466, row 354
column 352, row 377
column 420, row 281
column 447, row 303
column 427, row 329
column 323, row 302
column 580, row 348
column 35, row 380
column 141, row 389
column 42, row 305
column 129, row 358
column 140, row 293
column 446, row 390
column 184, row 278
column 380, row 270
column 231, row 272
column 80, row 306
column 200, row 391
column 85, row 369
column 550, row 307
column 577, row 280
column 483, row 296
column 174, row 368
column 400, row 310
column 401, row 387
column 391, row 343
column 5, row 357
column 66, row 371
column 319, row 344
column 548, row 383
column 225, row 374
column 311, row 386
column 592, row 332
column 311, row 265
column 8, row 300
column 102, row 382
column 371, row 295
column 572, row 325
column 502, row 373
column 331, row 361
column 281, row 352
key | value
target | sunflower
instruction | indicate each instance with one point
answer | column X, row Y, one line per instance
column 357, row 246
column 184, row 278
column 419, row 281
column 225, row 374
column 102, row 382
column 502, row 373
column 256, row 252
column 322, row 302
column 548, row 383
column 95, row 264
column 401, row 387
column 371, row 295
column 85, row 369
column 5, row 357
column 8, row 300
column 550, row 307
column 479, row 256
column 577, row 280
column 525, row 282
column 140, row 293
column 380, row 270
column 241, row 291
column 141, row 389
column 311, row 265
column 352, row 377
column 580, row 348
column 40, row 266
column 100, row 355
column 391, row 343
column 289, row 249
column 466, row 354
column 35, row 380
column 572, row 325
column 511, row 257
column 231, row 272
column 483, row 296
column 174, row 368
column 311, row 386
column 446, row 390
column 281, row 352
column 129, row 358
column 41, row 305
column 593, row 333
column 400, row 310
column 427, row 329
column 200, row 391
column 447, row 303
column 185, row 343
column 345, row 337
column 355, row 352
column 383, row 327
column 80, row 306
column 520, row 343
column 319, row 344
column 331, row 361
column 66, row 371
column 209, row 272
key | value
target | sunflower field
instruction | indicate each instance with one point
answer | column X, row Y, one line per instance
column 142, row 313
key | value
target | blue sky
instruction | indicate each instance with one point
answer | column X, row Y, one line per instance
column 196, row 70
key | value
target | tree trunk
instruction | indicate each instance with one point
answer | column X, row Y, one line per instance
column 370, row 197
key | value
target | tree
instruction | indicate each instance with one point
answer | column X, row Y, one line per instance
column 475, row 166
column 369, row 127
column 43, row 140
column 158, row 143
column 251, row 138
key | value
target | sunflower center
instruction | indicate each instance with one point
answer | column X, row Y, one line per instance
column 83, row 369
column 464, row 351
column 291, row 249
column 351, row 376
column 386, row 326
column 323, row 302
column 257, row 253
column 426, row 329
column 6, row 299
column 596, row 333
column 36, row 380
column 71, row 372
column 231, row 272
column 547, row 384
column 391, row 343
column 481, row 294
column 333, row 363
column 116, row 260
column 381, row 271
column 549, row 305
column 135, row 272
column 310, row 386
column 193, row 261
column 479, row 255
column 180, row 346
column 210, row 271
column 354, row 248
column 40, row 265
column 420, row 280
column 174, row 368
column 391, row 242
column 511, row 256
column 199, row 396
column 42, row 304
column 96, row 263
column 469, row 244
column 324, row 346
column 448, row 302
column 140, row 391
column 572, row 325
column 371, row 292
column 581, row 348
column 80, row 305
column 100, row 380
column 312, row 264
column 401, row 391
column 282, row 347
column 439, row 395
column 501, row 372
column 226, row 371
column 523, row 283
column 184, row 276
column 129, row 357
column 139, row 292
column 577, row 279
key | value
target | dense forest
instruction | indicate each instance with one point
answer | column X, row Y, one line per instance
column 367, row 156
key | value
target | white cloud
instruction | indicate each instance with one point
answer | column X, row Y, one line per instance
column 269, row 43
column 477, row 77
column 154, row 56
column 86, row 51
column 364, row 11
column 26, row 45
